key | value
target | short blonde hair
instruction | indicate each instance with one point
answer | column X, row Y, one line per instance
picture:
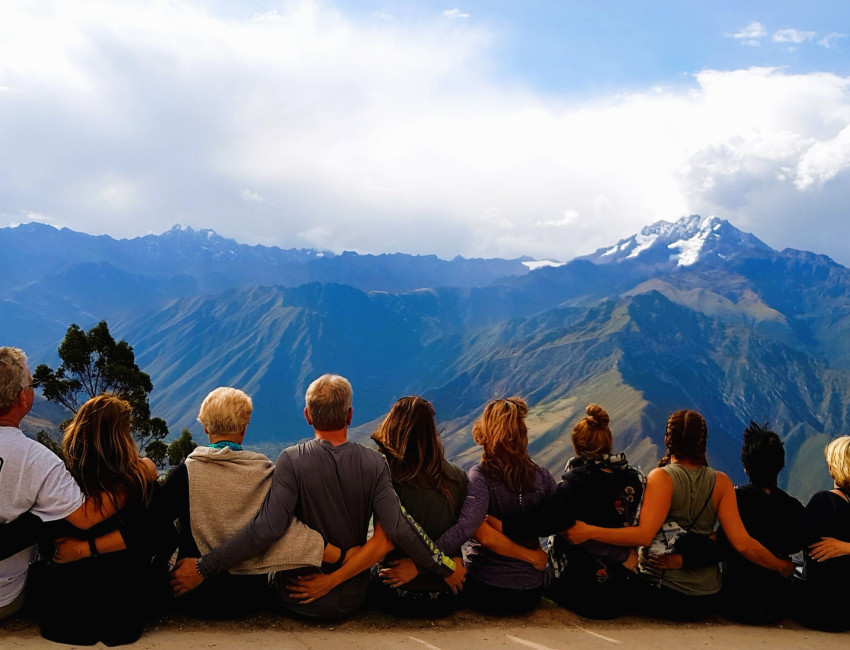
column 225, row 411
column 14, row 376
column 328, row 401
column 837, row 455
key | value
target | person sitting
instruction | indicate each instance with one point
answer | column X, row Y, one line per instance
column 602, row 489
column 213, row 494
column 432, row 491
column 505, row 483
column 34, row 484
column 683, row 493
column 335, row 485
column 750, row 593
column 823, row 603
column 105, row 596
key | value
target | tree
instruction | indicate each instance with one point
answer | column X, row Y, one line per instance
column 157, row 452
column 93, row 364
column 50, row 443
column 180, row 448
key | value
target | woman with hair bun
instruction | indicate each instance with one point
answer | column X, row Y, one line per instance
column 600, row 488
column 686, row 494
column 824, row 605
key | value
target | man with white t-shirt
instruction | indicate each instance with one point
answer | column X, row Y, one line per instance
column 32, row 478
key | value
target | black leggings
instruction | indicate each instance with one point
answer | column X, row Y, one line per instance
column 652, row 599
column 407, row 603
column 500, row 601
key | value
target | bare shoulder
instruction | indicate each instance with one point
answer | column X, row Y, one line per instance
column 149, row 469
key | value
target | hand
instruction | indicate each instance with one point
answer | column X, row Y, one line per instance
column 661, row 562
column 310, row 587
column 455, row 580
column 69, row 549
column 631, row 563
column 538, row 558
column 399, row 572
column 185, row 576
column 493, row 522
column 828, row 548
column 580, row 532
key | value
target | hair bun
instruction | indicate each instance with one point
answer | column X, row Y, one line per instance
column 596, row 416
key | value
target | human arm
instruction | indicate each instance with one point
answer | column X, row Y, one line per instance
column 310, row 587
column 490, row 537
column 471, row 516
column 736, row 533
column 19, row 534
column 656, row 505
column 69, row 549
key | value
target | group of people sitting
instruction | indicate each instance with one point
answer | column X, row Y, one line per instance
column 90, row 544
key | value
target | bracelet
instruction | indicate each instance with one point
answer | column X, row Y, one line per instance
column 200, row 571
column 93, row 548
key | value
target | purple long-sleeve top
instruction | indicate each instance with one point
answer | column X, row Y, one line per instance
column 486, row 496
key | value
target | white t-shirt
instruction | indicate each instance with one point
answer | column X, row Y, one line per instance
column 34, row 479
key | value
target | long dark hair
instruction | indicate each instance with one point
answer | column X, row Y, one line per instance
column 502, row 433
column 409, row 440
column 100, row 453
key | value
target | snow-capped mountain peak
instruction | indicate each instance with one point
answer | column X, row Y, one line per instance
column 681, row 243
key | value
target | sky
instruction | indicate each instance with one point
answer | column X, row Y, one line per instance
column 485, row 128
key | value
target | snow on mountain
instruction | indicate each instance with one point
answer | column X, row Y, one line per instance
column 683, row 243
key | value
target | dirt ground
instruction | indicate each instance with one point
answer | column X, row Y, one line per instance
column 548, row 628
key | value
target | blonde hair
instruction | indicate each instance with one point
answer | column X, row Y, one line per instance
column 328, row 401
column 14, row 376
column 502, row 433
column 591, row 436
column 837, row 455
column 225, row 411
column 100, row 452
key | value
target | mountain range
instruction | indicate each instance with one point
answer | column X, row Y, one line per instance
column 691, row 314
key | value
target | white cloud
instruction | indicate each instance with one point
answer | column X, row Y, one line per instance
column 829, row 40
column 751, row 34
column 795, row 36
column 374, row 136
column 251, row 196
column 455, row 13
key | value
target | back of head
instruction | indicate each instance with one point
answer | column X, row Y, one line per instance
column 14, row 376
column 225, row 412
column 762, row 455
column 100, row 452
column 328, row 401
column 591, row 436
column 408, row 438
column 837, row 455
column 502, row 433
column 686, row 438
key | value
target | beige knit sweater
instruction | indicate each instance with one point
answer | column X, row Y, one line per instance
column 226, row 490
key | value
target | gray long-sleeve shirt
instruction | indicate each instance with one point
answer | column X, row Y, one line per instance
column 335, row 490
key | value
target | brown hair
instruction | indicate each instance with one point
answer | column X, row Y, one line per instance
column 409, row 440
column 101, row 454
column 591, row 436
column 686, row 438
column 328, row 401
column 501, row 431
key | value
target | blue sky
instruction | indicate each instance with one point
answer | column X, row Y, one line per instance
column 476, row 128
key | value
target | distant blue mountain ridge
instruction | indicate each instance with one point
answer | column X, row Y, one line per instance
column 689, row 314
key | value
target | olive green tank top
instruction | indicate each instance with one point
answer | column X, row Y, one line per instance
column 691, row 489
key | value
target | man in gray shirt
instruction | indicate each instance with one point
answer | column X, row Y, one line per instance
column 333, row 486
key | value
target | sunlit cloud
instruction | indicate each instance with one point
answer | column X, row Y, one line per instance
column 830, row 39
column 321, row 130
column 455, row 13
